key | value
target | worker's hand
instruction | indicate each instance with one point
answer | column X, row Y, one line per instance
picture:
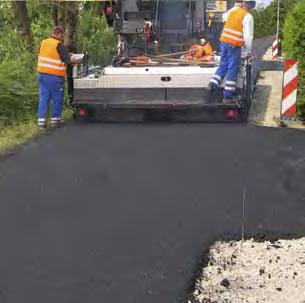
column 246, row 55
column 74, row 62
column 76, row 58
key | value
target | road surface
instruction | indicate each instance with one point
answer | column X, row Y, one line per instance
column 122, row 213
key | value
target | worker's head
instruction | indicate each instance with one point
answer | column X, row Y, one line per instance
column 203, row 41
column 58, row 32
column 239, row 3
column 249, row 4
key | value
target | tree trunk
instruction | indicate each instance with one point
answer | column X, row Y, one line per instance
column 72, row 10
column 23, row 23
column 98, row 8
column 61, row 11
column 54, row 10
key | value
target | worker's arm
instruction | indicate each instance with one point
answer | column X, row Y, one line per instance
column 248, row 32
column 225, row 16
column 63, row 53
column 208, row 50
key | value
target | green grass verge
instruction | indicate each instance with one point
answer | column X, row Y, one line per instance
column 17, row 134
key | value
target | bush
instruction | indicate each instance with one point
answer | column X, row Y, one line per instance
column 265, row 18
column 294, row 47
column 96, row 38
column 18, row 89
column 41, row 21
column 11, row 45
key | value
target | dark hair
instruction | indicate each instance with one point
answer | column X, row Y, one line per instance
column 57, row 30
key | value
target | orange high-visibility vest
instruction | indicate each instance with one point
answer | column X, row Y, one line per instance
column 201, row 51
column 233, row 29
column 208, row 50
column 49, row 61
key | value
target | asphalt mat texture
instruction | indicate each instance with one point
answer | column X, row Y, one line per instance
column 123, row 212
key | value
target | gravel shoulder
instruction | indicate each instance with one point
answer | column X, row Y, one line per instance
column 249, row 271
column 266, row 105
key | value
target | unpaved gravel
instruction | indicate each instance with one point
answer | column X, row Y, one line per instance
column 266, row 106
column 267, row 98
column 249, row 271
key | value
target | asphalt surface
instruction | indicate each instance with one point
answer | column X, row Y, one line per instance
column 122, row 213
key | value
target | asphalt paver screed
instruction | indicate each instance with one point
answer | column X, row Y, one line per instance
column 121, row 213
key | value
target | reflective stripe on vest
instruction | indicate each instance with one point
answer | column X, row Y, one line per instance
column 49, row 61
column 233, row 29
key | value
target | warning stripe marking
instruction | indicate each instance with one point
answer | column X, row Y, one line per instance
column 289, row 104
column 275, row 47
column 290, row 87
column 289, row 64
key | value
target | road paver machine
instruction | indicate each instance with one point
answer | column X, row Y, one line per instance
column 149, row 79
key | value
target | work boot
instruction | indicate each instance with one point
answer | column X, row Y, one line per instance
column 41, row 123
column 56, row 123
column 212, row 86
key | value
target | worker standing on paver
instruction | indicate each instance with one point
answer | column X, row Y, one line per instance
column 238, row 3
column 236, row 42
column 52, row 61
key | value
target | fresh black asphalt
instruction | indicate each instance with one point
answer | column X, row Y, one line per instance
column 105, row 213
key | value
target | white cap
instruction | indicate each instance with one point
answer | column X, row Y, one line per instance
column 202, row 41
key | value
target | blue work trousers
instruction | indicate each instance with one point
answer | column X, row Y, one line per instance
column 50, row 88
column 229, row 66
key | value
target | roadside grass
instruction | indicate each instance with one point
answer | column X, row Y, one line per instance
column 19, row 133
column 13, row 135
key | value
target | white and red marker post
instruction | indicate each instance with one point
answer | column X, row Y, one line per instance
column 276, row 44
column 290, row 90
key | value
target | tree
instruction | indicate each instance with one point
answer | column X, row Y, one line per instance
column 96, row 38
column 294, row 46
column 98, row 8
column 266, row 17
column 61, row 7
column 72, row 11
column 23, row 23
column 54, row 11
column 65, row 14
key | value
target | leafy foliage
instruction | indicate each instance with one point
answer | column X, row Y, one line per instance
column 18, row 84
column 294, row 46
column 41, row 27
column 6, row 15
column 18, row 89
column 11, row 45
column 266, row 18
column 96, row 38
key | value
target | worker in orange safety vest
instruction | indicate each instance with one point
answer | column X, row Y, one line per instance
column 202, row 51
column 236, row 41
column 52, row 60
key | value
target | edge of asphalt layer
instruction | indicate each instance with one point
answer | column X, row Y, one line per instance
column 203, row 260
column 10, row 152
